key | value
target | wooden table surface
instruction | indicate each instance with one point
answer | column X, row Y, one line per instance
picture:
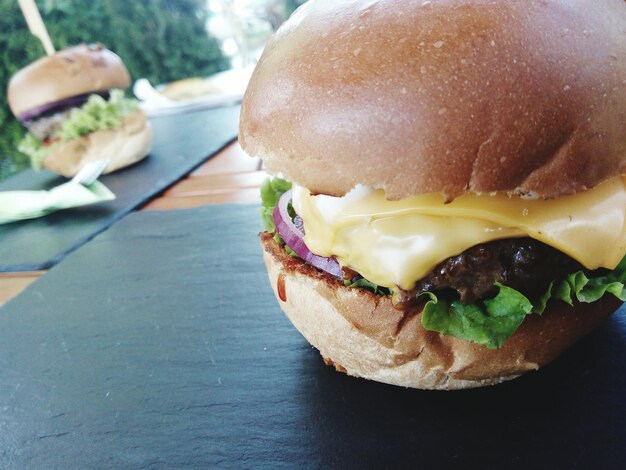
column 230, row 176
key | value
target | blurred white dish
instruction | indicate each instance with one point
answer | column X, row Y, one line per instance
column 222, row 89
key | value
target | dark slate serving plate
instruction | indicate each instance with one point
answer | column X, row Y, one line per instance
column 181, row 143
column 159, row 345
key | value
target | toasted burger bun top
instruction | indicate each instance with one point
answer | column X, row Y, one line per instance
column 445, row 96
column 70, row 72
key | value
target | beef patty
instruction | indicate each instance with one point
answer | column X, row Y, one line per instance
column 524, row 264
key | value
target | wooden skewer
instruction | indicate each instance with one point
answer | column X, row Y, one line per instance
column 35, row 24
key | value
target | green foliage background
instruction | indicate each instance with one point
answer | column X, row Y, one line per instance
column 161, row 40
column 291, row 5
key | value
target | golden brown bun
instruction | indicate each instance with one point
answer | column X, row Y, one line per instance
column 70, row 72
column 443, row 96
column 123, row 146
column 364, row 336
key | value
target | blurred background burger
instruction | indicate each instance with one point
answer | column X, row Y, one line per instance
column 74, row 107
column 159, row 40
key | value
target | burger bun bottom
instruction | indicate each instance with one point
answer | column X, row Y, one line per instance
column 362, row 335
column 123, row 146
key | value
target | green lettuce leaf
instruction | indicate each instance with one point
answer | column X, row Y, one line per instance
column 369, row 285
column 271, row 191
column 491, row 322
column 33, row 147
column 95, row 115
column 578, row 286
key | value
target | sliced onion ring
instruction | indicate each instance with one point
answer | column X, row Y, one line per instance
column 293, row 237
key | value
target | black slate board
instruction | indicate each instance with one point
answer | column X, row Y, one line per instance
column 159, row 345
column 181, row 143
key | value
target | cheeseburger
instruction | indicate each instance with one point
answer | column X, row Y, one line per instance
column 74, row 108
column 451, row 207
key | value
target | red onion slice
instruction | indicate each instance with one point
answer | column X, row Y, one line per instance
column 58, row 106
column 292, row 235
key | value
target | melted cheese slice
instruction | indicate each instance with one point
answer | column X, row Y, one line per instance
column 396, row 243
